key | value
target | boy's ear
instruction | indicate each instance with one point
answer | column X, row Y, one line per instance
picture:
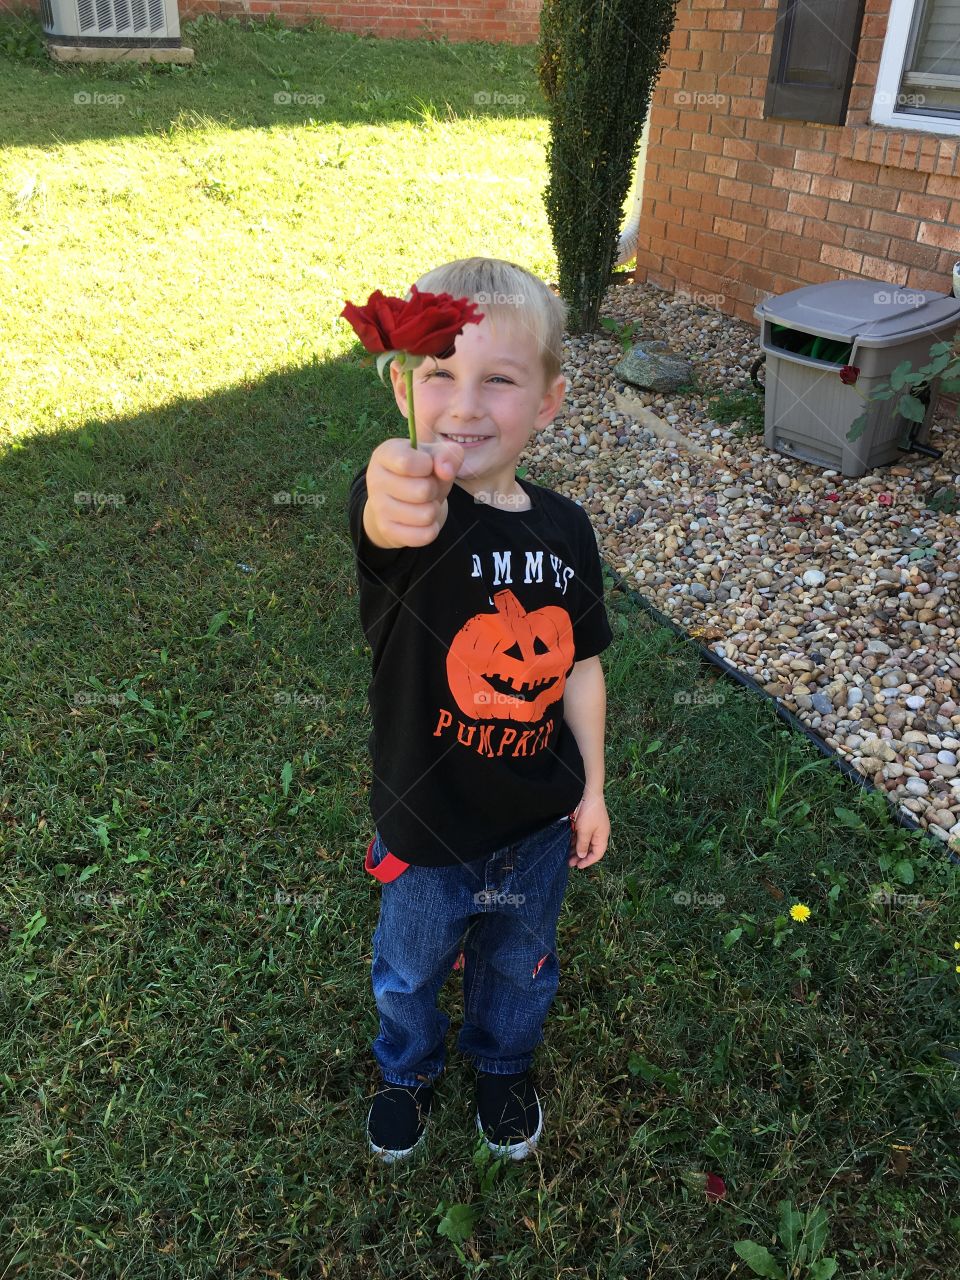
column 552, row 400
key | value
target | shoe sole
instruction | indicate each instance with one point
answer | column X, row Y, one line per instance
column 385, row 1153
column 515, row 1150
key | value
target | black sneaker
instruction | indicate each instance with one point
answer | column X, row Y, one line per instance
column 398, row 1119
column 508, row 1113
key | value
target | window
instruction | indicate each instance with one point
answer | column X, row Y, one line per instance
column 918, row 86
column 932, row 64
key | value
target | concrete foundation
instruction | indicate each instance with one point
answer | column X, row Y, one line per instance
column 118, row 53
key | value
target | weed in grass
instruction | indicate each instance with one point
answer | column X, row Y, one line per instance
column 745, row 406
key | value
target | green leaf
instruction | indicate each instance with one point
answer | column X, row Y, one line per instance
column 912, row 408
column 458, row 1223
column 848, row 818
column 730, row 938
column 216, row 624
column 936, row 366
column 87, row 872
column 816, row 1234
column 904, row 871
column 791, row 1224
column 760, row 1260
column 899, row 375
column 823, row 1269
column 382, row 360
column 857, row 427
column 286, row 776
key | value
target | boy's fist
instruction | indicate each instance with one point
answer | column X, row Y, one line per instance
column 407, row 491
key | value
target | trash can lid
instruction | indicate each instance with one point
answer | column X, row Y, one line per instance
column 870, row 312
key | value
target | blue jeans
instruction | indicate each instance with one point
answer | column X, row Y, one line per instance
column 501, row 912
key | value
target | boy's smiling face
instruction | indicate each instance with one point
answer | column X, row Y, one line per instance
column 492, row 390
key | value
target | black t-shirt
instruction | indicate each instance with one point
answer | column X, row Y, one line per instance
column 473, row 637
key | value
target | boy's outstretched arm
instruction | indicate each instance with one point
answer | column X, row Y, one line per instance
column 585, row 711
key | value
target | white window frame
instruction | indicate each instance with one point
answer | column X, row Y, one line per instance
column 883, row 109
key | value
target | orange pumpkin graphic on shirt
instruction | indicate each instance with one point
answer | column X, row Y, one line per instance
column 512, row 664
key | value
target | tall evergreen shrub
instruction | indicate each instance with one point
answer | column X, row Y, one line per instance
column 598, row 62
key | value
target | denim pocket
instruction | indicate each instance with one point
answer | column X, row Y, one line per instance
column 381, row 863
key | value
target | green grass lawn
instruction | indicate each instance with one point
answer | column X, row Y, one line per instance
column 185, row 1056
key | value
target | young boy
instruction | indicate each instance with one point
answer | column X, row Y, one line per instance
column 482, row 599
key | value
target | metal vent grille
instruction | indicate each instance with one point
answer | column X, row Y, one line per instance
column 121, row 17
column 46, row 15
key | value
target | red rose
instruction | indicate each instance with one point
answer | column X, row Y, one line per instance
column 424, row 326
column 849, row 374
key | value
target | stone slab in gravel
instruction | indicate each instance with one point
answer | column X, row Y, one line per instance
column 844, row 606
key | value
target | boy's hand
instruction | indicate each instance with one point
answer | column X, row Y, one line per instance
column 591, row 831
column 407, row 491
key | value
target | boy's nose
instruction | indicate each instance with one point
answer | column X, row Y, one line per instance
column 465, row 403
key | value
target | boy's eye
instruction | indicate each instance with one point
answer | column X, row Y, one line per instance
column 496, row 377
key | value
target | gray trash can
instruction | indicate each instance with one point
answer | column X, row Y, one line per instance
column 809, row 334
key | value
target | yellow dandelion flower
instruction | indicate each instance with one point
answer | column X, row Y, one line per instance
column 956, row 946
column 800, row 912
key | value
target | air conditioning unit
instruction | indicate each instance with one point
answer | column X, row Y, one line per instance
column 106, row 24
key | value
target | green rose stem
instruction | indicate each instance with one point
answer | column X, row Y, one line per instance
column 408, row 376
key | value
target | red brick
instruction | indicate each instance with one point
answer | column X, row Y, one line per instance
column 725, row 21
column 925, row 256
column 880, row 269
column 842, row 258
column 764, row 130
column 791, row 180
column 750, row 212
column 721, row 165
column 697, row 220
column 707, row 142
column 803, row 135
column 717, row 206
column 769, row 197
column 738, row 149
column 686, row 59
column 943, row 237
column 736, row 190
column 866, row 241
column 816, row 273
column 776, row 156
column 848, row 215
column 833, row 188
column 938, row 186
column 923, row 206
column 780, row 262
column 875, row 197
column 712, row 244
column 810, row 206
column 701, row 182
column 733, row 230
column 892, row 224
column 755, row 172
column 779, row 220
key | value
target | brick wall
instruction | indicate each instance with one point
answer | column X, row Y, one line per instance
column 736, row 207
column 499, row 21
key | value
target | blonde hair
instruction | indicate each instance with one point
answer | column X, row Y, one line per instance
column 509, row 295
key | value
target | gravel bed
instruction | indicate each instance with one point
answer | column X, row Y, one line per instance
column 839, row 596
